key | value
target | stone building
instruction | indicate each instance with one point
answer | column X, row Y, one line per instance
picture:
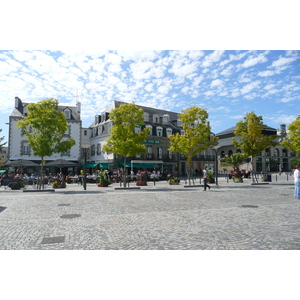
column 18, row 147
column 162, row 123
column 273, row 159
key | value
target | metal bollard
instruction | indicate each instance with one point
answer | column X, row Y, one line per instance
column 154, row 180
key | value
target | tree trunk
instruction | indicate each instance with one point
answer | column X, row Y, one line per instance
column 252, row 166
column 41, row 175
column 124, row 173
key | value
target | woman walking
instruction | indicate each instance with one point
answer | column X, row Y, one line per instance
column 297, row 182
column 205, row 178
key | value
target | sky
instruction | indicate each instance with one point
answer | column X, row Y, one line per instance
column 228, row 84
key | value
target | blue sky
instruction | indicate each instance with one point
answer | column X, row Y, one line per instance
column 227, row 84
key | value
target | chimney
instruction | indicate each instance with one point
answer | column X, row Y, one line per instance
column 282, row 128
column 78, row 104
column 18, row 102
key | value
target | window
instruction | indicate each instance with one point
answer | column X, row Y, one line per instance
column 137, row 129
column 93, row 150
column 149, row 151
column 170, row 154
column 159, row 152
column 25, row 149
column 85, row 132
column 169, row 131
column 99, row 149
column 159, row 131
column 179, row 123
column 146, row 117
column 149, row 126
column 182, row 132
column 230, row 152
column 68, row 131
column 156, row 118
column 68, row 114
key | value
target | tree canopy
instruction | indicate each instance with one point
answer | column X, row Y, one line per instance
column 250, row 136
column 196, row 137
column 293, row 136
column 124, row 139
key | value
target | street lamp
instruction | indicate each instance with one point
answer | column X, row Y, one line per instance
column 85, row 149
column 216, row 148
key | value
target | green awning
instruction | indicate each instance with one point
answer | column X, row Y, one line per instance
column 128, row 164
column 138, row 165
column 2, row 171
column 90, row 165
column 104, row 165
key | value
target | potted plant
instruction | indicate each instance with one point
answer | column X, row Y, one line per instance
column 235, row 160
column 103, row 180
column 141, row 178
column 210, row 177
column 174, row 180
column 17, row 184
column 58, row 184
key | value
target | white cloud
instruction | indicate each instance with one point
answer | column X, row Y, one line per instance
column 212, row 58
column 228, row 71
column 266, row 73
column 216, row 83
column 269, row 86
column 282, row 61
column 252, row 61
column 250, row 86
column 209, row 93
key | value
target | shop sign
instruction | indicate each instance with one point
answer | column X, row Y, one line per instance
column 151, row 141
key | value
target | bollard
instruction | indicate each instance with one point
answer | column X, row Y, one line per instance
column 154, row 180
column 287, row 177
column 276, row 177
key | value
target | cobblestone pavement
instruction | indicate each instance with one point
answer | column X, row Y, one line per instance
column 229, row 216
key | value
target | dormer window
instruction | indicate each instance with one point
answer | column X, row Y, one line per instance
column 156, row 118
column 179, row 123
column 67, row 114
column 150, row 127
column 159, row 131
column 137, row 129
column 169, row 131
column 146, row 117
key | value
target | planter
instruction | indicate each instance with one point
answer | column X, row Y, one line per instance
column 102, row 185
column 141, row 183
column 59, row 187
column 173, row 183
column 237, row 179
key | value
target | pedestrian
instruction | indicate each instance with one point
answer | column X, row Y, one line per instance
column 297, row 182
column 205, row 178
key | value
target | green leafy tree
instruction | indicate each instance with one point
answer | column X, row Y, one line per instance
column 45, row 128
column 1, row 145
column 293, row 136
column 123, row 139
column 196, row 137
column 250, row 137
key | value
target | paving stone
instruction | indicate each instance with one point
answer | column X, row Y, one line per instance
column 162, row 217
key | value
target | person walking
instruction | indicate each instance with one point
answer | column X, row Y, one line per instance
column 297, row 182
column 205, row 178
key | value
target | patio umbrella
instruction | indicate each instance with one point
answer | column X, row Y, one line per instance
column 20, row 163
column 60, row 163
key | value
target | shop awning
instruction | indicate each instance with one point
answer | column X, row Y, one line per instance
column 104, row 165
column 2, row 171
column 90, row 165
column 141, row 163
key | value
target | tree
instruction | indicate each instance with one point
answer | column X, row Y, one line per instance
column 196, row 135
column 123, row 139
column 45, row 128
column 251, row 138
column 1, row 145
column 293, row 136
